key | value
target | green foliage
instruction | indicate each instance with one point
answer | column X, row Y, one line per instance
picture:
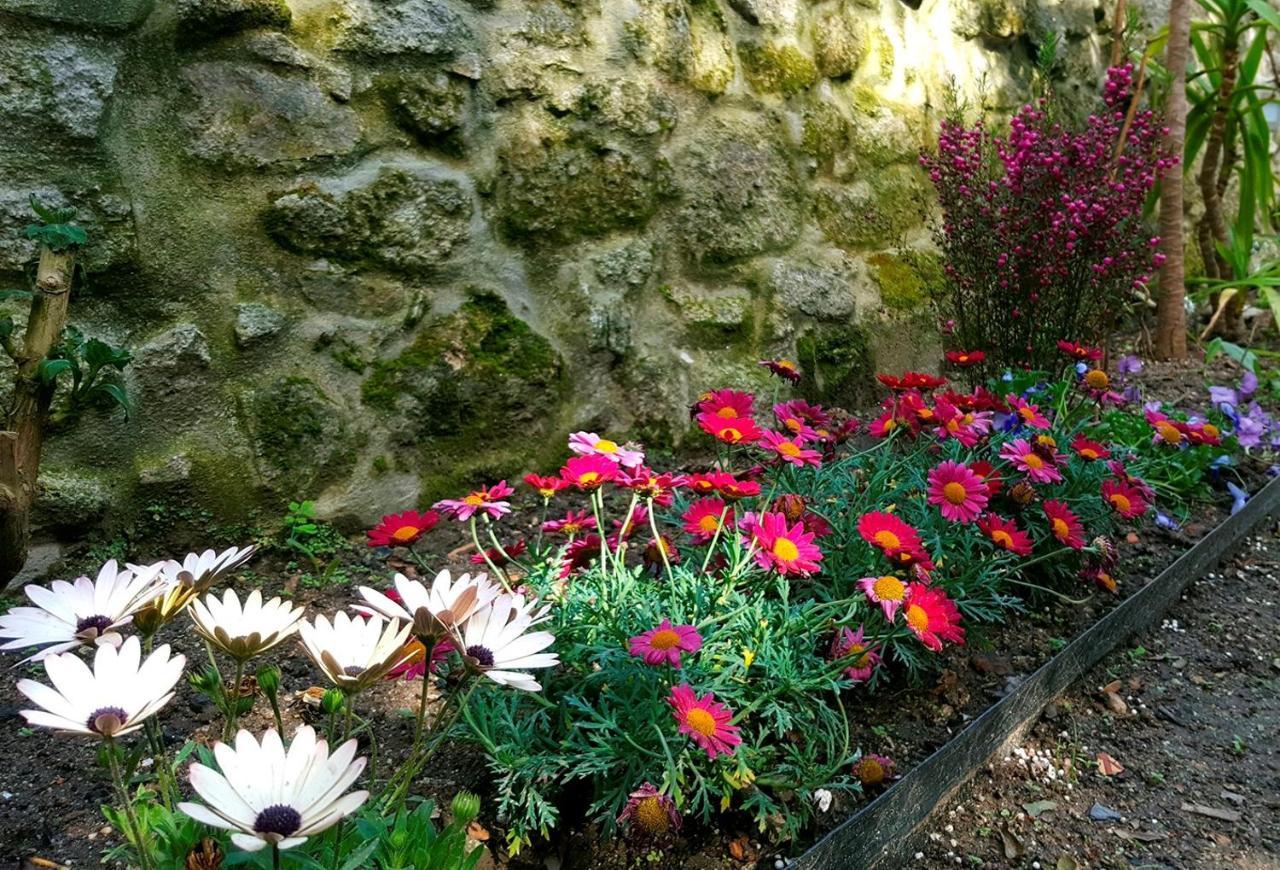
column 55, row 229
column 94, row 367
column 318, row 542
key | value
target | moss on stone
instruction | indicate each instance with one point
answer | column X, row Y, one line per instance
column 905, row 279
column 837, row 363
column 825, row 131
column 469, row 383
column 299, row 437
column 777, row 67
column 201, row 20
column 838, row 43
column 871, row 214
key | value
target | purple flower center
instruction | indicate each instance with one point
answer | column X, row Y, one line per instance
column 353, row 670
column 106, row 720
column 98, row 624
column 280, row 819
column 482, row 655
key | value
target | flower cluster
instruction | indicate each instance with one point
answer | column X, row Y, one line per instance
column 1042, row 232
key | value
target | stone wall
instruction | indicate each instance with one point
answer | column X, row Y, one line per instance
column 369, row 250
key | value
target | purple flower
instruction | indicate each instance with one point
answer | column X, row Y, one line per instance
column 1166, row 522
column 1128, row 365
column 1223, row 396
column 1238, row 497
column 1248, row 384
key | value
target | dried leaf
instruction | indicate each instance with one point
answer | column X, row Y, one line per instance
column 1212, row 812
column 1013, row 847
column 1036, row 808
column 34, row 863
column 205, row 856
column 1142, row 836
column 1116, row 704
column 740, row 849
column 1108, row 766
column 477, row 832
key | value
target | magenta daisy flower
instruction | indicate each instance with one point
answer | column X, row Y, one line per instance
column 1027, row 413
column 483, row 501
column 588, row 443
column 704, row 719
column 1031, row 463
column 785, row 550
column 958, row 492
column 665, row 643
column 789, row 449
column 850, row 644
column 887, row 591
column 649, row 814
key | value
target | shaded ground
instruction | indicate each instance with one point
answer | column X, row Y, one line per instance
column 1191, row 712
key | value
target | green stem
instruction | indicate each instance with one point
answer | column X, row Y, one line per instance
column 428, row 647
column 475, row 539
column 275, row 856
column 597, row 508
column 659, row 541
column 711, row 547
column 134, row 834
column 233, row 706
column 1052, row 592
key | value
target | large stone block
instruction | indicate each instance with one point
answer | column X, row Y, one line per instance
column 425, row 27
column 54, row 87
column 111, row 15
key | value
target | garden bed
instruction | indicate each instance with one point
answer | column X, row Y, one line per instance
column 887, row 831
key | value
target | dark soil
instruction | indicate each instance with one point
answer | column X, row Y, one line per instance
column 1191, row 711
column 50, row 791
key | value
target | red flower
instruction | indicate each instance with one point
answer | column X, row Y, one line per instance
column 650, row 484
column 1006, row 535
column 1126, row 500
column 786, row 550
column 702, row 518
column 965, row 358
column 500, row 557
column 911, row 381
column 403, row 529
column 989, row 475
column 665, row 643
column 888, row 533
column 1081, row 352
column 546, row 486
column 589, row 472
column 730, row 430
column 848, row 643
column 726, row 403
column 931, row 616
column 783, row 368
column 1089, row 450
column 571, row 524
column 1064, row 524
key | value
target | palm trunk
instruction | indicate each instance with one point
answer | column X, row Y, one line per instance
column 1213, row 226
column 1171, row 326
column 20, row 448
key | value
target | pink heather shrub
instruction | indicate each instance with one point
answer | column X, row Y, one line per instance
column 1042, row 232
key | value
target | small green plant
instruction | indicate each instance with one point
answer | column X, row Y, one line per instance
column 1238, row 746
column 314, row 540
column 94, row 367
column 55, row 229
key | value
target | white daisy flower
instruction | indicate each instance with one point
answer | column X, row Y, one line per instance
column 356, row 652
column 268, row 796
column 243, row 632
column 435, row 611
column 115, row 698
column 87, row 611
column 193, row 576
column 493, row 641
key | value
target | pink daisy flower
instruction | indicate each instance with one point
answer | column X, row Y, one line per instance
column 788, row 551
column 1031, row 463
column 571, row 524
column 1027, row 413
column 704, row 719
column 588, row 443
column 887, row 591
column 960, row 494
column 789, row 449
column 589, row 472
column 849, row 644
column 932, row 616
column 665, row 643
column 486, row 501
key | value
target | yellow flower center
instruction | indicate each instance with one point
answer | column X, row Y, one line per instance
column 1121, row 502
column 786, row 550
column 955, row 493
column 730, row 434
column 404, row 534
column 925, row 413
column 1089, row 453
column 476, row 498
column 709, row 523
column 887, row 540
column 889, row 588
column 890, row 424
column 1168, row 432
column 1097, row 379
column 1061, row 530
column 791, row 424
column 701, row 721
column 665, row 640
column 651, row 816
column 789, row 448
column 1002, row 538
column 860, row 650
column 870, row 771
column 1210, row 430
column 727, row 413
column 604, row 445
column 1027, row 413
column 917, row 618
column 1032, row 461
column 589, row 477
